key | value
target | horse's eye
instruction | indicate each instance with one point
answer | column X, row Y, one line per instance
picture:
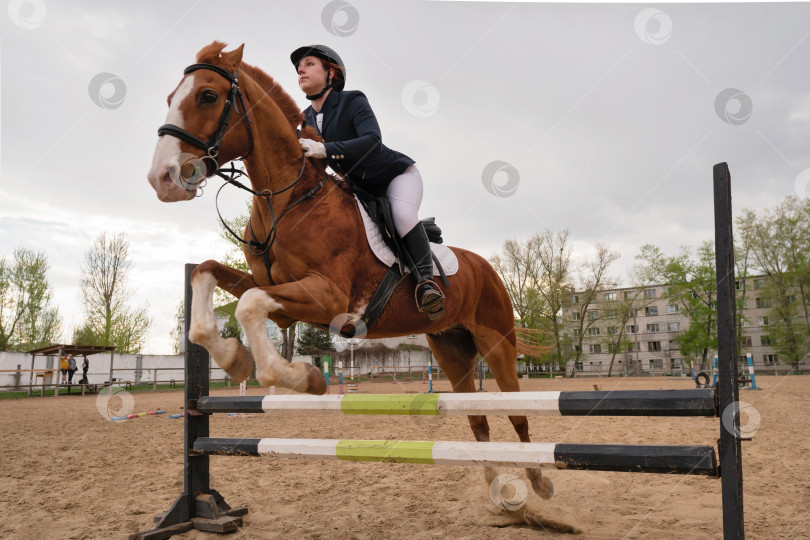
column 209, row 96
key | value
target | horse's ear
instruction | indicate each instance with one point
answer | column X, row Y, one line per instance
column 234, row 57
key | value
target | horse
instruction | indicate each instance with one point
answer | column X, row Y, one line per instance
column 320, row 265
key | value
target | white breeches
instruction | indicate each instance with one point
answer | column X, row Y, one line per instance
column 405, row 194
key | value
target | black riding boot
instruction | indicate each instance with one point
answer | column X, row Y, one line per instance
column 429, row 297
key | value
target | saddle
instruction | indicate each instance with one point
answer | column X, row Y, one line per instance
column 379, row 210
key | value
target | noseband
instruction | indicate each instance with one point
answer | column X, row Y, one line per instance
column 211, row 148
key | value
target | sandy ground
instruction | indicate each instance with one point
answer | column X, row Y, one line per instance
column 70, row 473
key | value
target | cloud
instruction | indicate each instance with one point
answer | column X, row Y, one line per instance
column 613, row 137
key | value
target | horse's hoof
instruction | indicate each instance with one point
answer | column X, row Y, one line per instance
column 547, row 489
column 316, row 382
column 242, row 365
column 540, row 484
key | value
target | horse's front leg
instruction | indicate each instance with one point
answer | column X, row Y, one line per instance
column 229, row 354
column 311, row 299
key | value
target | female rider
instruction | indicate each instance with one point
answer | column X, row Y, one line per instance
column 353, row 147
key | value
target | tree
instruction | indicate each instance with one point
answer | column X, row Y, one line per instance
column 288, row 341
column 235, row 257
column 742, row 265
column 314, row 341
column 692, row 285
column 554, row 281
column 27, row 318
column 536, row 275
column 517, row 268
column 593, row 280
column 780, row 243
column 231, row 328
column 109, row 320
column 177, row 332
column 626, row 304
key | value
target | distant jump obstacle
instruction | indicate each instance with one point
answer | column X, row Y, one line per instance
column 137, row 415
column 200, row 507
column 748, row 382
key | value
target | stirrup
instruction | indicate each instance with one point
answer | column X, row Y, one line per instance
column 434, row 308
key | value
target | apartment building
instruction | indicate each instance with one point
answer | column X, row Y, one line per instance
column 651, row 334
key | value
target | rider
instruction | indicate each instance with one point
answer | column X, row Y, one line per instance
column 353, row 147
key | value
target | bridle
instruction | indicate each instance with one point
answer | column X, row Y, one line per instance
column 211, row 148
column 230, row 175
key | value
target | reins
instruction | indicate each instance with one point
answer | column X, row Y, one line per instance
column 230, row 176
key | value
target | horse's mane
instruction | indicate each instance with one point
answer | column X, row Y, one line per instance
column 213, row 54
column 275, row 91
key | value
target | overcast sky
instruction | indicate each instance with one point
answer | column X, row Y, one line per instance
column 602, row 119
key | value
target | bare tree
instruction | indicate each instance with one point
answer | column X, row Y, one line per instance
column 518, row 268
column 536, row 276
column 627, row 303
column 109, row 320
column 553, row 279
column 593, row 280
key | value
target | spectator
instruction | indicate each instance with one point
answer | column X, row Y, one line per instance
column 63, row 367
column 71, row 368
column 85, row 368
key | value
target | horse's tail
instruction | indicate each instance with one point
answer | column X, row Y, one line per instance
column 532, row 341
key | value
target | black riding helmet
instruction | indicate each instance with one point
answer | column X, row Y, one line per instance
column 326, row 53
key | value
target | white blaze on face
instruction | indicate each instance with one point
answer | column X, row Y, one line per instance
column 167, row 152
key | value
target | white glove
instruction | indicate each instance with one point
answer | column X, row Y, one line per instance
column 313, row 149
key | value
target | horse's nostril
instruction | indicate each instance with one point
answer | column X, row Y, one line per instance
column 173, row 171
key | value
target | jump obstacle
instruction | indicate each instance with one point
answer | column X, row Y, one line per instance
column 696, row 402
column 745, row 383
column 200, row 507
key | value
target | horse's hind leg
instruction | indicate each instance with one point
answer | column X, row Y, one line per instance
column 455, row 352
column 229, row 354
column 500, row 353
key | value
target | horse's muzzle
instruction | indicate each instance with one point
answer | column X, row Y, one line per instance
column 165, row 187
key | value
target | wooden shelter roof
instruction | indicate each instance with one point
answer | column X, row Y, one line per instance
column 81, row 350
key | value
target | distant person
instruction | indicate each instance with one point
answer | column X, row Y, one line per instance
column 63, row 367
column 71, row 368
column 85, row 368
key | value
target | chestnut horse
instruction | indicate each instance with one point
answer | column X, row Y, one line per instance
column 321, row 267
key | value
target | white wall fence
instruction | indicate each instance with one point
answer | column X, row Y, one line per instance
column 147, row 369
column 382, row 362
column 127, row 368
